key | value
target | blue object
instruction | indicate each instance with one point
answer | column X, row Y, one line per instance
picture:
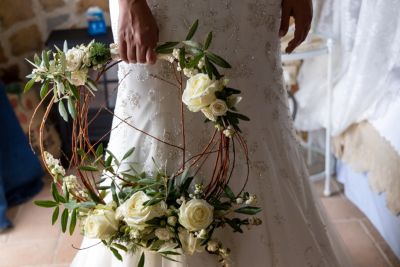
column 96, row 22
column 20, row 169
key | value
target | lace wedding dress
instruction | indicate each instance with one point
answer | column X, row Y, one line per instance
column 246, row 33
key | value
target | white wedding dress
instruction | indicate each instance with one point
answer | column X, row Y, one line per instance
column 246, row 33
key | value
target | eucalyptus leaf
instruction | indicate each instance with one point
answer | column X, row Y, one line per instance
column 218, row 60
column 166, row 46
column 114, row 193
column 208, row 40
column 248, row 210
column 44, row 89
column 116, row 253
column 64, row 220
column 71, row 107
column 193, row 30
column 88, row 168
column 29, row 85
column 100, row 150
column 72, row 224
column 54, row 217
column 141, row 261
column 229, row 193
column 128, row 153
column 62, row 111
column 45, row 203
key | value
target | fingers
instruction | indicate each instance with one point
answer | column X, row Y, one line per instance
column 299, row 37
column 151, row 56
column 285, row 19
column 141, row 54
column 123, row 50
column 132, row 54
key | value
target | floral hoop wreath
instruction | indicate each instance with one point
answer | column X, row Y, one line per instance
column 158, row 212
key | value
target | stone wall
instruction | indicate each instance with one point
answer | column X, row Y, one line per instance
column 26, row 24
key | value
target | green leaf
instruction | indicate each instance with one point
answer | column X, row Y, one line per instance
column 72, row 224
column 185, row 184
column 208, row 40
column 147, row 181
column 208, row 68
column 182, row 59
column 56, row 195
column 114, row 157
column 45, row 58
column 116, row 253
column 91, row 84
column 141, row 261
column 71, row 107
column 128, row 153
column 114, row 193
column 108, row 161
column 44, row 89
column 192, row 30
column 218, row 60
column 88, row 168
column 37, row 60
column 29, row 85
column 64, row 220
column 152, row 202
column 248, row 210
column 195, row 61
column 166, row 46
column 62, row 110
column 54, row 218
column 73, row 89
column 100, row 150
column 121, row 247
column 46, row 203
column 239, row 116
column 229, row 193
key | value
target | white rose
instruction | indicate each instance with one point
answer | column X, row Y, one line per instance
column 200, row 91
column 162, row 234
column 190, row 244
column 100, row 224
column 74, row 58
column 196, row 214
column 218, row 107
column 135, row 214
column 208, row 113
column 79, row 77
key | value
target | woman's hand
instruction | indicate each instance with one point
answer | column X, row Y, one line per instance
column 302, row 11
column 138, row 32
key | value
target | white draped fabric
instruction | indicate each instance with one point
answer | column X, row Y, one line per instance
column 246, row 33
column 366, row 67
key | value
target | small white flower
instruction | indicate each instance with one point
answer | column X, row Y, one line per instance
column 114, row 50
column 201, row 63
column 229, row 132
column 252, row 200
column 175, row 53
column 172, row 220
column 218, row 108
column 239, row 200
column 162, row 234
column 212, row 246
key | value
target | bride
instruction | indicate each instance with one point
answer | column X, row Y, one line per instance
column 247, row 33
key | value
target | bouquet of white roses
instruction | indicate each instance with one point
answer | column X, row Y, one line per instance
column 168, row 213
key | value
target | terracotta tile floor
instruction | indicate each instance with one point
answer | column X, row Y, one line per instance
column 34, row 243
